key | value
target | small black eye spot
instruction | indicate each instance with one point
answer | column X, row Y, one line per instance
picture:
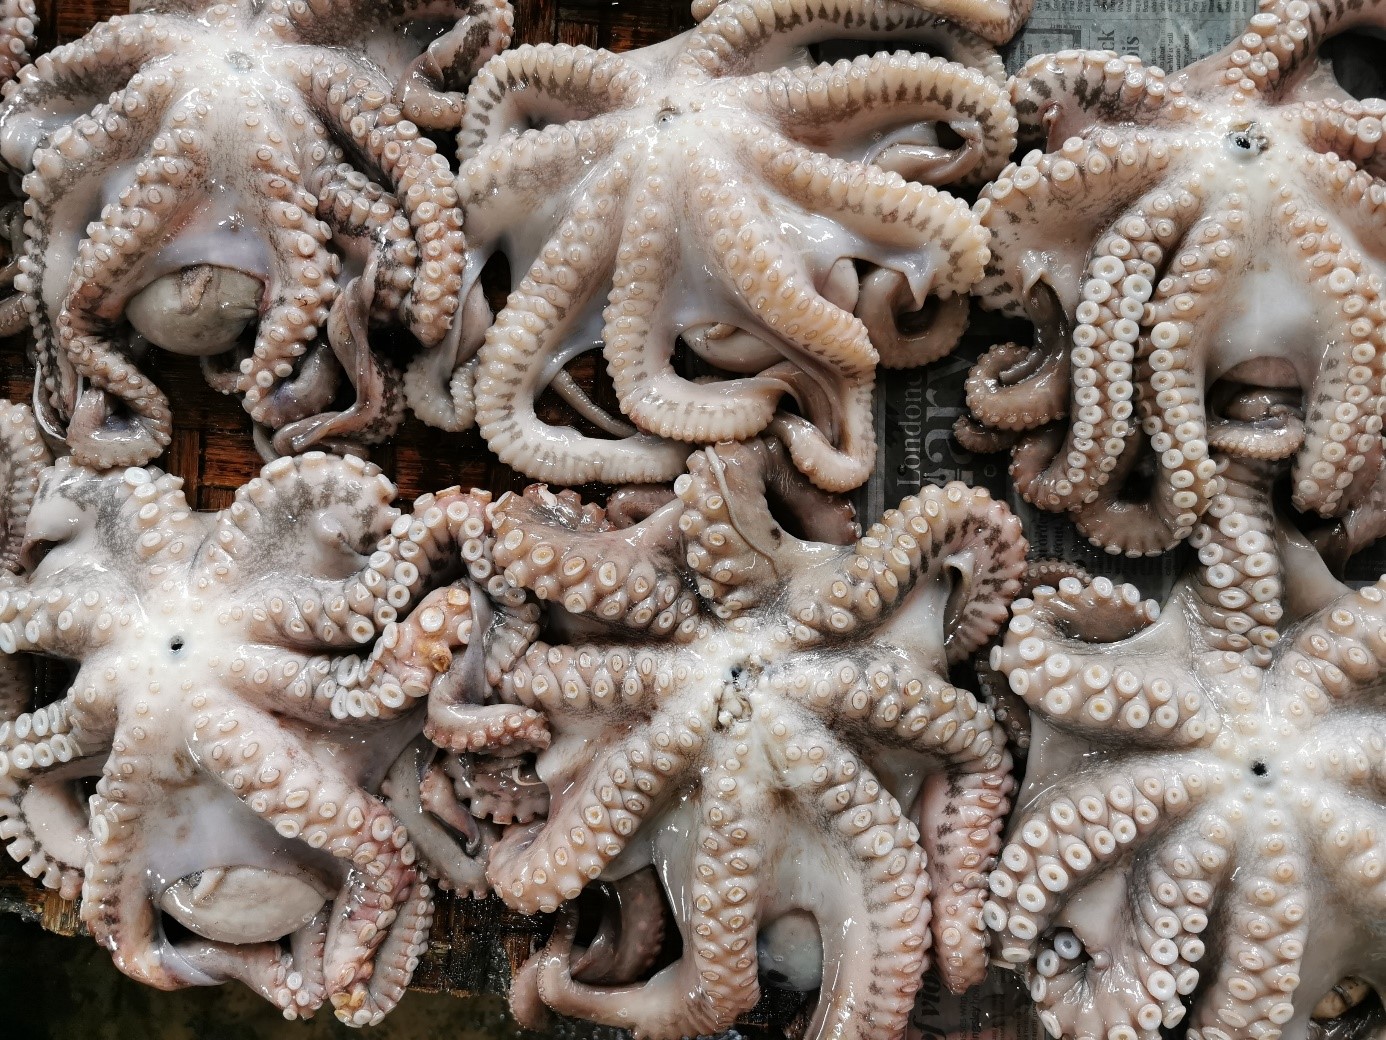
column 1259, row 768
column 176, row 644
column 736, row 672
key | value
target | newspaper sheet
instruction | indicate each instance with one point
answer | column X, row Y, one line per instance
column 915, row 410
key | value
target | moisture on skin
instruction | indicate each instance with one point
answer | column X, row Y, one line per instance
column 242, row 680
column 767, row 721
column 719, row 189
column 1199, row 254
column 994, row 20
column 194, row 171
column 1199, row 840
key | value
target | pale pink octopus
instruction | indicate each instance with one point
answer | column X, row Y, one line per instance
column 241, row 682
column 719, row 191
column 1201, row 253
column 1201, row 830
column 768, row 722
column 243, row 179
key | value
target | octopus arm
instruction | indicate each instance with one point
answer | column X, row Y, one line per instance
column 42, row 821
column 1126, row 953
column 1338, row 655
column 994, row 20
column 891, row 577
column 1055, row 94
column 57, row 243
column 383, row 140
column 264, row 967
column 544, row 311
column 876, row 94
column 1346, row 831
column 875, row 929
column 1330, row 129
column 732, row 41
column 1069, row 838
column 589, row 682
column 379, row 906
column 483, row 31
column 72, row 79
column 602, row 806
column 23, row 456
column 515, row 91
column 641, row 322
column 630, row 578
column 18, row 36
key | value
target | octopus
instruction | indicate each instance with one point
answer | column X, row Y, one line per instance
column 1199, row 836
column 240, row 683
column 718, row 202
column 1200, row 255
column 767, row 722
column 247, row 183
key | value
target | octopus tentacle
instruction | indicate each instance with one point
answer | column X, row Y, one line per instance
column 1067, row 838
column 885, row 297
column 1169, row 902
column 437, row 846
column 563, row 280
column 587, row 681
column 1091, row 688
column 18, row 36
column 908, row 550
column 879, row 92
column 351, row 100
column 483, row 31
column 596, row 816
column 713, row 982
column 23, row 456
column 73, row 78
column 1343, row 129
column 514, row 88
column 623, row 577
column 1118, row 283
column 1342, row 428
column 165, row 186
column 893, row 708
column 639, row 335
column 918, row 218
column 1263, row 947
column 264, row 967
column 741, row 38
column 1238, row 593
column 380, row 902
column 879, row 931
column 302, row 285
column 1053, row 93
column 36, row 745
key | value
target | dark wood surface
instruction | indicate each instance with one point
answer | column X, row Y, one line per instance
column 475, row 944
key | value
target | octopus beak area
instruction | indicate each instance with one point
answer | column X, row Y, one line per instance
column 1256, row 411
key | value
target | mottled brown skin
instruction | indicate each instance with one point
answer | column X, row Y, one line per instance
column 1167, row 232
column 259, row 140
column 766, row 721
column 993, row 20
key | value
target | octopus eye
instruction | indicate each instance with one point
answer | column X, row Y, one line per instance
column 1358, row 62
column 35, row 552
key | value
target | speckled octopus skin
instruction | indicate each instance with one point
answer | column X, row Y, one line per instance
column 781, row 744
column 1168, row 232
column 1200, row 833
column 717, row 188
column 195, row 170
column 242, row 681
